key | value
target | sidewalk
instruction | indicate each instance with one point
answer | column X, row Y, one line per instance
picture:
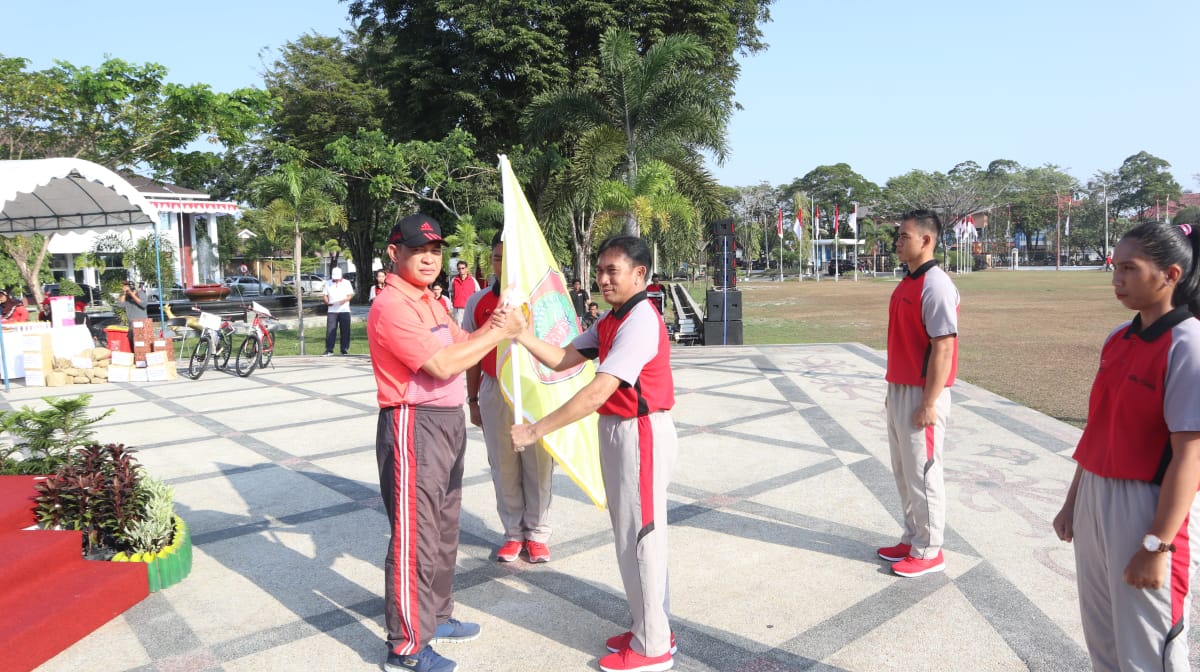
column 782, row 492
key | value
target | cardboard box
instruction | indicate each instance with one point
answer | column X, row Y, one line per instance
column 172, row 371
column 122, row 359
column 35, row 379
column 165, row 345
column 82, row 362
column 119, row 374
column 156, row 359
column 38, row 361
column 38, row 343
column 138, row 376
column 156, row 373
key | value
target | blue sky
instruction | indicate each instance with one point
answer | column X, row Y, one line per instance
column 883, row 86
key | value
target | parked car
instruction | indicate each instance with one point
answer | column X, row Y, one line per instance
column 247, row 285
column 92, row 293
column 309, row 282
column 840, row 266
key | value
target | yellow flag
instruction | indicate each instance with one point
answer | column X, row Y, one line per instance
column 534, row 390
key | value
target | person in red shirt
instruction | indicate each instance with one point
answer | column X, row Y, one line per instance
column 419, row 354
column 1131, row 508
column 633, row 392
column 12, row 309
column 522, row 478
column 656, row 293
column 461, row 288
column 922, row 355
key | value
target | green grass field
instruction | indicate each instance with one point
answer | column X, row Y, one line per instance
column 1031, row 336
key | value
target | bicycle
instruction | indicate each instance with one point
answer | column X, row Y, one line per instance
column 259, row 346
column 216, row 343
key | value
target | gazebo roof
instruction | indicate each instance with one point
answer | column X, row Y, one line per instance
column 55, row 195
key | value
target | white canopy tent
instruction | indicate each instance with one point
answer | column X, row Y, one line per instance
column 56, row 195
column 50, row 196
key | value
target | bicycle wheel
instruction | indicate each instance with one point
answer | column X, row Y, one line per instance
column 266, row 350
column 223, row 351
column 247, row 357
column 199, row 359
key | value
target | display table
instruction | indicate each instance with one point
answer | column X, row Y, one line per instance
column 65, row 341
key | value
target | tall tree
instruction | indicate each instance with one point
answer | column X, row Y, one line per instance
column 655, row 106
column 456, row 63
column 837, row 184
column 301, row 199
column 1142, row 181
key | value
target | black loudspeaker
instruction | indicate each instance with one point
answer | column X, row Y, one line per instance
column 720, row 306
column 724, row 261
column 723, row 333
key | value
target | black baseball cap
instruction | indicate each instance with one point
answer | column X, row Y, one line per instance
column 415, row 231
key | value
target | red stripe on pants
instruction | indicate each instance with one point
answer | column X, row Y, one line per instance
column 404, row 590
column 1181, row 561
column 929, row 443
column 646, row 469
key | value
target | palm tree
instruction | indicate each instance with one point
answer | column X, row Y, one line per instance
column 301, row 199
column 652, row 106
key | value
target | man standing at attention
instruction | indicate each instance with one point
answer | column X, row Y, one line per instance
column 633, row 392
column 461, row 288
column 522, row 478
column 922, row 356
column 338, row 292
column 579, row 298
column 418, row 354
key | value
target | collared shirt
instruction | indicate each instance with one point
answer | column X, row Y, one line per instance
column 924, row 306
column 461, row 289
column 1148, row 386
column 633, row 347
column 479, row 310
column 405, row 328
column 337, row 291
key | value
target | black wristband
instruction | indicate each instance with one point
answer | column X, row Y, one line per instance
column 472, row 400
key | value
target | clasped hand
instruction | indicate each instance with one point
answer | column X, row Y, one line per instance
column 509, row 319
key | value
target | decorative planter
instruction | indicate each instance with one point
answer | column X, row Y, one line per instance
column 206, row 292
column 170, row 565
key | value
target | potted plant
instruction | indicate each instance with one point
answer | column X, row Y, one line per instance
column 41, row 440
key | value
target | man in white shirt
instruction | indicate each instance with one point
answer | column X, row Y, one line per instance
column 338, row 293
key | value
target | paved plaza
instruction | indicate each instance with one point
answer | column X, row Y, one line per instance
column 782, row 492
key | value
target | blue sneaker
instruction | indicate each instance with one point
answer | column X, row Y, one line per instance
column 455, row 631
column 427, row 660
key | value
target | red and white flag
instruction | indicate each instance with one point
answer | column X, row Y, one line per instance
column 817, row 222
column 835, row 220
column 779, row 224
column 798, row 224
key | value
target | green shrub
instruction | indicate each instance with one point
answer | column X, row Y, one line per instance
column 153, row 530
column 40, row 441
column 97, row 493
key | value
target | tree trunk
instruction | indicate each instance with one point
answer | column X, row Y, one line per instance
column 19, row 249
column 582, row 228
column 299, row 287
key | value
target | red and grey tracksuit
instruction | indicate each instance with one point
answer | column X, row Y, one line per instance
column 924, row 306
column 1147, row 388
column 638, row 448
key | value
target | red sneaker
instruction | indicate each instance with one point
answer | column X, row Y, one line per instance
column 894, row 553
column 538, row 552
column 620, row 642
column 511, row 550
column 629, row 660
column 911, row 566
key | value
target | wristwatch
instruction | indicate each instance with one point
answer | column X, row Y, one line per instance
column 1155, row 545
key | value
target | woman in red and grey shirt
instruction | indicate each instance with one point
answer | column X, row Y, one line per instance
column 1131, row 508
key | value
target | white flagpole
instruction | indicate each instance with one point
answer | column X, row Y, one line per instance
column 510, row 263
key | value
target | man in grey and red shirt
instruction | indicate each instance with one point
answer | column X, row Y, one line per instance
column 633, row 392
column 419, row 355
column 922, row 356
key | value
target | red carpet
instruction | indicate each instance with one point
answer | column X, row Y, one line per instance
column 50, row 597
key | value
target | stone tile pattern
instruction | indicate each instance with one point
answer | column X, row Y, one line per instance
column 782, row 493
